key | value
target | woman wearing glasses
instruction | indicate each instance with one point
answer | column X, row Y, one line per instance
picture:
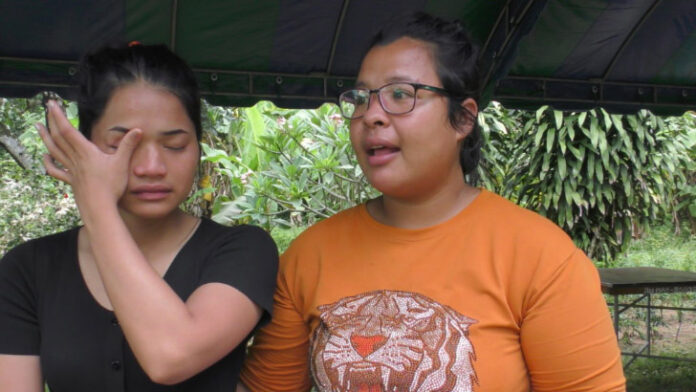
column 436, row 285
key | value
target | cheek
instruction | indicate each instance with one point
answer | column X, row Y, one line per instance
column 354, row 139
column 190, row 163
column 99, row 142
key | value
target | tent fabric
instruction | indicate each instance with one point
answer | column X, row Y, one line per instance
column 623, row 55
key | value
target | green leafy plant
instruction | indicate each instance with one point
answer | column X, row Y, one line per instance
column 685, row 198
column 280, row 167
column 600, row 176
column 33, row 204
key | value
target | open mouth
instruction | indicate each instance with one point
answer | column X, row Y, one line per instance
column 381, row 150
column 364, row 377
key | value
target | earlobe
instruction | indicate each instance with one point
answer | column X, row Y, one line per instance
column 467, row 126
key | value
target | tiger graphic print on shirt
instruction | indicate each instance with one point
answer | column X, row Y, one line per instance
column 387, row 341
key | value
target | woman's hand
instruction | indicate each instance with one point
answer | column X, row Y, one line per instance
column 92, row 173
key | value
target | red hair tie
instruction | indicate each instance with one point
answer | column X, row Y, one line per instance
column 133, row 43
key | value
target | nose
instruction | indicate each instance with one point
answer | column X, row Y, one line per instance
column 147, row 161
column 366, row 345
column 375, row 114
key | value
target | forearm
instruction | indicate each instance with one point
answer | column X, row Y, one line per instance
column 153, row 318
column 20, row 373
column 277, row 360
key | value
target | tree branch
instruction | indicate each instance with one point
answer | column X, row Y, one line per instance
column 15, row 148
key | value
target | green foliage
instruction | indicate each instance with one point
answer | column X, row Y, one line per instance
column 597, row 175
column 276, row 167
column 660, row 247
column 284, row 236
column 685, row 200
column 646, row 375
column 33, row 204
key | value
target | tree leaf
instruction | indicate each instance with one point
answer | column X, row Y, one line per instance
column 540, row 112
column 581, row 118
column 558, row 115
column 550, row 135
column 594, row 131
column 561, row 166
column 539, row 134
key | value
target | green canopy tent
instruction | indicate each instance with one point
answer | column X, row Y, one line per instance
column 623, row 55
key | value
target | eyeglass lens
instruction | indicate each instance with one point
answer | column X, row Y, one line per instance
column 395, row 98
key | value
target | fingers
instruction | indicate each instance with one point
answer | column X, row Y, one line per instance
column 54, row 171
column 65, row 136
column 129, row 142
column 54, row 151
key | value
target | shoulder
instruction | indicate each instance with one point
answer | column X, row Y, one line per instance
column 521, row 231
column 216, row 233
column 496, row 211
column 53, row 245
column 33, row 264
column 328, row 236
column 240, row 245
column 336, row 225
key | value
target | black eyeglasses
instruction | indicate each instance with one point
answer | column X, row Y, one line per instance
column 395, row 98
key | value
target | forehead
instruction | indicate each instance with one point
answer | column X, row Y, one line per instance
column 405, row 59
column 133, row 95
column 145, row 106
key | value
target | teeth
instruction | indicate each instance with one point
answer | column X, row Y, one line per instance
column 376, row 147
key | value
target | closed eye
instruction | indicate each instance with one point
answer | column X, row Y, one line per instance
column 173, row 148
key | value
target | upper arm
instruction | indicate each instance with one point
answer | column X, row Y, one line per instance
column 567, row 335
column 247, row 260
column 277, row 359
column 224, row 317
column 20, row 373
column 19, row 319
column 237, row 282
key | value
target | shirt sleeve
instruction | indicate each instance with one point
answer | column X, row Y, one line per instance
column 277, row 360
column 19, row 327
column 246, row 258
column 567, row 335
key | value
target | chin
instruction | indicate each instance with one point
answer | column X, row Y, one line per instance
column 149, row 212
column 389, row 188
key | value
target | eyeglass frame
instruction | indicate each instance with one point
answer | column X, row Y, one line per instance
column 416, row 87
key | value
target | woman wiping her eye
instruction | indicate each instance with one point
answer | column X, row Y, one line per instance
column 143, row 297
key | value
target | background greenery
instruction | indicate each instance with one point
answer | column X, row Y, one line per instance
column 601, row 177
column 622, row 186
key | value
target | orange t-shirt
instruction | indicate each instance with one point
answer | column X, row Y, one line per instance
column 497, row 298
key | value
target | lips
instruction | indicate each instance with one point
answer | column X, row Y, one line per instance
column 380, row 152
column 151, row 192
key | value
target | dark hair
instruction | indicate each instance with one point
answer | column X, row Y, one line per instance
column 110, row 67
column 456, row 59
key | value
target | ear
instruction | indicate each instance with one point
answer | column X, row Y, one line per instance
column 465, row 128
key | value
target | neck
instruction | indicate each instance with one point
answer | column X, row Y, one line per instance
column 417, row 213
column 153, row 236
